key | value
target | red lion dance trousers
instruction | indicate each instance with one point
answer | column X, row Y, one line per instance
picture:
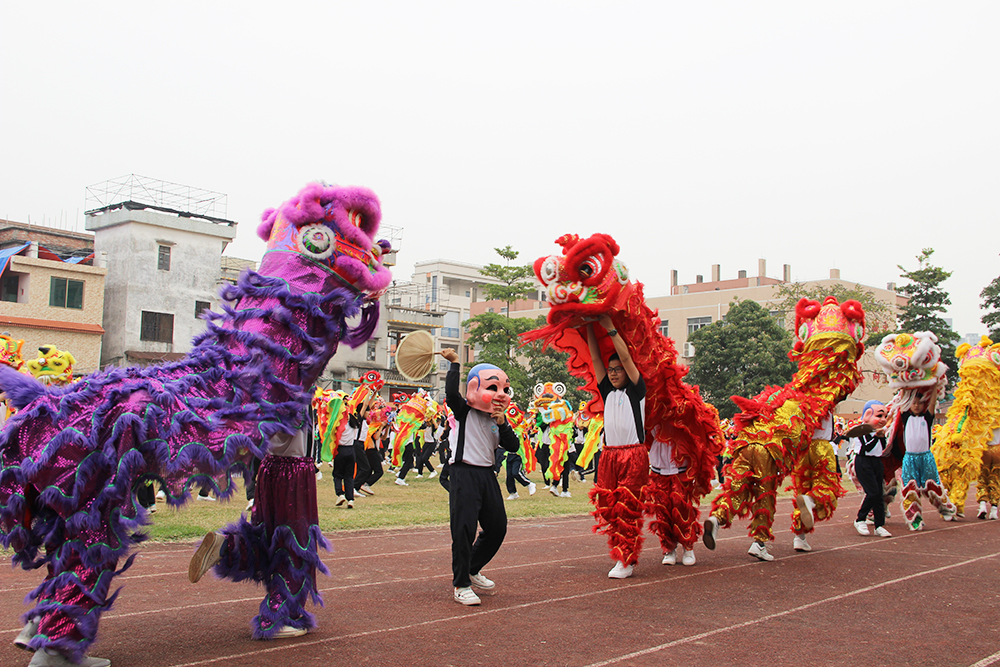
column 616, row 494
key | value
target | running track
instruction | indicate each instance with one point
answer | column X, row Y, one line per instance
column 927, row 598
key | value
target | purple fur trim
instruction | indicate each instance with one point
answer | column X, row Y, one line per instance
column 21, row 389
column 366, row 327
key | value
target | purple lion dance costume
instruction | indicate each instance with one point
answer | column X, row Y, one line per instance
column 70, row 457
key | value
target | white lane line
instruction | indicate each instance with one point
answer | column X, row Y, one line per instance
column 988, row 660
column 787, row 612
column 578, row 596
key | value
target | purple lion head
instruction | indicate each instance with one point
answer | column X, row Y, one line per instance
column 334, row 227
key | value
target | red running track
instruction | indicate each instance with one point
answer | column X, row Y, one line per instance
column 925, row 598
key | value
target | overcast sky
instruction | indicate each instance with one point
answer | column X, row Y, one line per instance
column 823, row 135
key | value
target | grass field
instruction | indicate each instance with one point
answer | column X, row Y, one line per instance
column 423, row 502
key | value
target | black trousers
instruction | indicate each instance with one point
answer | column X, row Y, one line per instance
column 515, row 472
column 343, row 472
column 424, row 461
column 364, row 468
column 474, row 499
column 375, row 466
column 869, row 470
column 407, row 459
column 542, row 454
column 568, row 468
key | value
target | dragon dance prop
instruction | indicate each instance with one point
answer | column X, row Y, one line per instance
column 585, row 282
column 773, row 432
column 913, row 364
column 519, row 422
column 53, row 367
column 409, row 421
column 71, row 455
column 10, row 355
column 553, row 412
column 331, row 420
column 592, row 425
column 968, row 428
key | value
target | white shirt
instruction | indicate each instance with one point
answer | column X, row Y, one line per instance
column 482, row 437
column 915, row 435
column 825, row 429
column 661, row 459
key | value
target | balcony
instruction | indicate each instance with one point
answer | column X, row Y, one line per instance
column 401, row 318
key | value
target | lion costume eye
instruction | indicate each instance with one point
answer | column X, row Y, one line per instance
column 590, row 267
column 559, row 388
column 539, row 388
column 316, row 241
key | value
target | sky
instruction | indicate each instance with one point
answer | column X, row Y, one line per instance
column 843, row 135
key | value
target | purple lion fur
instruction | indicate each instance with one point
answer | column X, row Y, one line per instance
column 71, row 456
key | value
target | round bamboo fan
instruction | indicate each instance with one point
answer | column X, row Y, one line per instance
column 415, row 355
column 859, row 430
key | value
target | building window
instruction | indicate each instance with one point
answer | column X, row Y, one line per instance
column 9, row 287
column 65, row 293
column 157, row 327
column 664, row 329
column 371, row 351
column 779, row 317
column 434, row 289
column 468, row 294
column 200, row 307
column 163, row 261
column 695, row 323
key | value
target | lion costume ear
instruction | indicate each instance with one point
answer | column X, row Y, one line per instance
column 962, row 350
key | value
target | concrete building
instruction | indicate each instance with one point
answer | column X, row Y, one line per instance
column 164, row 257
column 50, row 292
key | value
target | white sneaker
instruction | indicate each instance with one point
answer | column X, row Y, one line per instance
column 48, row 658
column 513, row 496
column 621, row 571
column 27, row 633
column 319, row 478
column 565, row 494
column 466, row 596
column 432, row 475
column 367, row 489
column 806, row 505
column 862, row 528
column 984, row 509
column 287, row 632
column 249, row 505
column 350, row 504
column 669, row 557
column 759, row 550
column 151, row 509
column 209, row 553
column 800, row 543
column 888, row 514
column 554, row 490
column 882, row 532
column 401, row 482
column 532, row 487
column 161, row 495
column 420, row 475
column 341, row 500
column 206, row 498
column 711, row 532
column 993, row 513
column 688, row 558
column 479, row 581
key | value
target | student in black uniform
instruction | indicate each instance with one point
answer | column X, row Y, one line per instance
column 474, row 494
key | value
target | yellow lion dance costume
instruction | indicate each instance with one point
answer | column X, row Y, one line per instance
column 961, row 445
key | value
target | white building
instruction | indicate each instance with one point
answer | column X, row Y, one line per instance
column 163, row 256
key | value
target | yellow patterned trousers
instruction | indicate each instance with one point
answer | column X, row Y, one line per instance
column 815, row 475
column 750, row 489
column 988, row 488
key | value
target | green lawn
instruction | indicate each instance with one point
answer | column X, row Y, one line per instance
column 424, row 502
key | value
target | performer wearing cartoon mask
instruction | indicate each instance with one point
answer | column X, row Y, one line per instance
column 474, row 493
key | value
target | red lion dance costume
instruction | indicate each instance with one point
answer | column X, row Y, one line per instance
column 583, row 284
column 774, row 433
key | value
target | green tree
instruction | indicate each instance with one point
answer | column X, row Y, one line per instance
column 991, row 302
column 496, row 341
column 514, row 286
column 880, row 318
column 740, row 355
column 926, row 300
